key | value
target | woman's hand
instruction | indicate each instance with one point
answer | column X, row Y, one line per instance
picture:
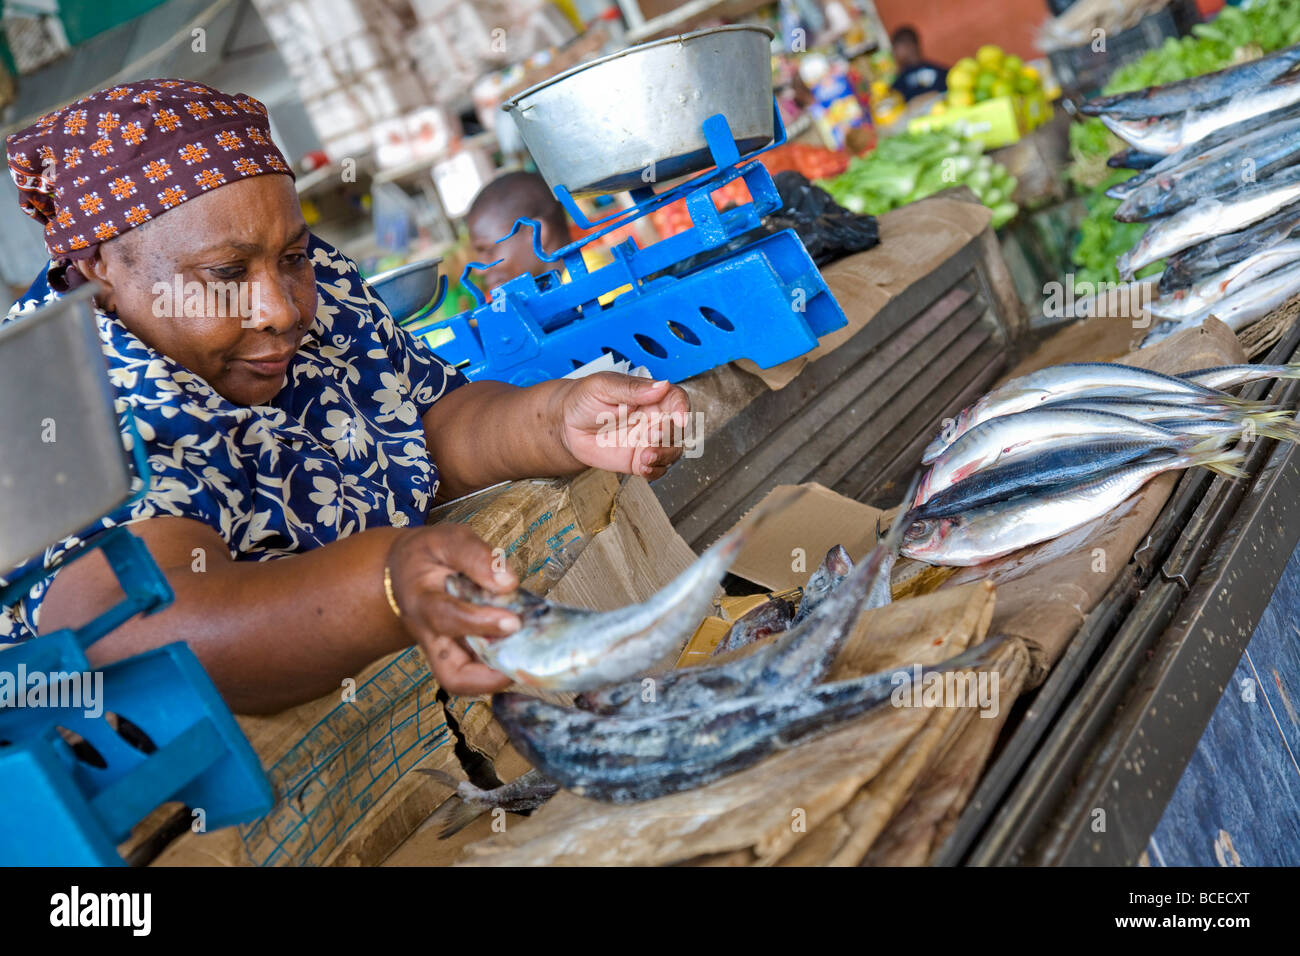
column 418, row 563
column 622, row 423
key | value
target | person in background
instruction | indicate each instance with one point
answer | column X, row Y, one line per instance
column 915, row 74
column 493, row 213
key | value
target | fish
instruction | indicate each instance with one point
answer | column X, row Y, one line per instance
column 1197, row 91
column 1193, row 154
column 523, row 794
column 998, row 529
column 835, row 567
column 1008, row 438
column 1229, row 376
column 1244, row 307
column 621, row 759
column 1061, row 465
column 1133, row 159
column 576, row 649
column 1184, row 269
column 1197, row 301
column 1057, row 383
column 1168, row 134
column 1210, row 217
column 1158, row 410
column 770, row 617
column 798, row 658
column 1245, row 159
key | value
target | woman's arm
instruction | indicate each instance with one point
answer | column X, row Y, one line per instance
column 485, row 432
column 273, row 634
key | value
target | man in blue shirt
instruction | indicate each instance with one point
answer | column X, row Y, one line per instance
column 915, row 75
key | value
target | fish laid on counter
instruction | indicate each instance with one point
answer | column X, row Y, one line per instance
column 1157, row 411
column 1008, row 438
column 800, row 657
column 1198, row 91
column 1169, row 133
column 1059, row 382
column 835, row 567
column 568, row 648
column 994, row 530
column 778, row 614
column 1193, row 154
column 1216, row 172
column 622, row 759
column 1198, row 300
column 770, row 617
column 1186, row 268
column 1212, row 216
column 526, row 792
column 1044, row 469
column 1243, row 308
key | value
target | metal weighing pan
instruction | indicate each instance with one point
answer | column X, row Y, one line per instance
column 634, row 118
column 63, row 464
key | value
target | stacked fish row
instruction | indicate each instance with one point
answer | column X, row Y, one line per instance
column 631, row 738
column 1049, row 452
column 1220, row 184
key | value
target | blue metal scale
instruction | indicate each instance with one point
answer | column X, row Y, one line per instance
column 766, row 301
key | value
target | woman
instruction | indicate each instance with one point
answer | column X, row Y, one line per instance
column 295, row 434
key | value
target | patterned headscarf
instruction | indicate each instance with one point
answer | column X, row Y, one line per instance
column 117, row 158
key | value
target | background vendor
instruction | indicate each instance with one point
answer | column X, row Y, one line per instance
column 296, row 449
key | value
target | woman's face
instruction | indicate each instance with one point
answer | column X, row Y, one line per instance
column 238, row 256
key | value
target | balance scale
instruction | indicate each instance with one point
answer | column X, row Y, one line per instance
column 764, row 300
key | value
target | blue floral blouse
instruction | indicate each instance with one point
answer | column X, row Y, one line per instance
column 340, row 449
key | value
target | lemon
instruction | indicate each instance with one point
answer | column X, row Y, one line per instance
column 1001, row 88
column 1013, row 64
column 961, row 79
column 939, row 108
column 959, row 99
column 967, row 65
column 989, row 57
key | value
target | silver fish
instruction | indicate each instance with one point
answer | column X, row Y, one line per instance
column 1062, row 465
column 1158, row 410
column 526, row 792
column 1168, row 134
column 1197, row 91
column 995, row 530
column 1211, row 217
column 1194, row 154
column 1254, row 156
column 1057, row 383
column 1009, row 438
column 1244, row 307
column 1184, row 269
column 625, row 760
column 1197, row 301
column 568, row 648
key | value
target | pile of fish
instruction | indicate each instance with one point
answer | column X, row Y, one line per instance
column 631, row 737
column 1048, row 452
column 1220, row 184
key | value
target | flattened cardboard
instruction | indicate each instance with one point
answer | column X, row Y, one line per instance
column 788, row 547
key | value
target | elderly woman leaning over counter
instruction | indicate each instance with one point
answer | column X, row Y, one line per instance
column 298, row 446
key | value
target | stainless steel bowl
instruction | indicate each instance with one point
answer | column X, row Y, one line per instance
column 634, row 117
column 407, row 289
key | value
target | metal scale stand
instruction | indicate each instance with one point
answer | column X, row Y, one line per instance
column 765, row 301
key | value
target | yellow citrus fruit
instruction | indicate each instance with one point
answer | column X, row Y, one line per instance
column 959, row 99
column 989, row 57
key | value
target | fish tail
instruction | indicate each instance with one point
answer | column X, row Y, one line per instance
column 1221, row 462
column 1290, row 370
column 1279, row 425
column 453, row 816
column 1204, row 446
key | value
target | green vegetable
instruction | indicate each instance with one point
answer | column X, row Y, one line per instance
column 911, row 166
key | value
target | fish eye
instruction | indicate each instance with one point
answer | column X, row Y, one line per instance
column 917, row 529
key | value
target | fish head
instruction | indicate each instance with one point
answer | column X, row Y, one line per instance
column 838, row 562
column 926, row 536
